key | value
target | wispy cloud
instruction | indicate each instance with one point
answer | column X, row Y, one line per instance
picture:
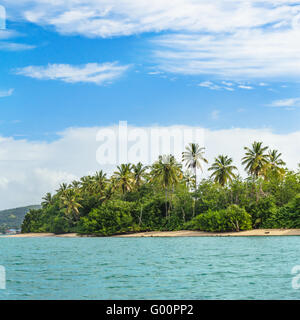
column 224, row 85
column 286, row 103
column 6, row 93
column 240, row 55
column 6, row 43
column 11, row 46
column 209, row 85
column 103, row 18
column 225, row 38
column 99, row 74
column 242, row 86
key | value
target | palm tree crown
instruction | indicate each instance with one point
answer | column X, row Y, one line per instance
column 69, row 200
column 48, row 200
column 166, row 171
column 223, row 170
column 256, row 160
column 138, row 172
column 124, row 177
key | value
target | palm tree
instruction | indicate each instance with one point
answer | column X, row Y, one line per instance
column 193, row 156
column 69, row 201
column 100, row 181
column 124, row 177
column 75, row 184
column 167, row 172
column 276, row 164
column 222, row 170
column 256, row 160
column 62, row 188
column 275, row 160
column 87, row 183
column 189, row 179
column 48, row 200
column 139, row 171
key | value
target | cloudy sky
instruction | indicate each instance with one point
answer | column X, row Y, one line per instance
column 71, row 67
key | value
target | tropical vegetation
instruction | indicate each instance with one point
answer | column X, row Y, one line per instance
column 168, row 196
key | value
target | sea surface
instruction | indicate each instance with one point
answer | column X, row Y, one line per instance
column 150, row 268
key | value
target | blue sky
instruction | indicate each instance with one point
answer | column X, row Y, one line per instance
column 144, row 94
column 84, row 64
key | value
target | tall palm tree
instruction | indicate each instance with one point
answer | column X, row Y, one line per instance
column 256, row 159
column 69, row 201
column 223, row 170
column 276, row 163
column 167, row 173
column 48, row 200
column 75, row 184
column 193, row 157
column 124, row 177
column 87, row 183
column 62, row 188
column 138, row 172
column 275, row 159
column 100, row 181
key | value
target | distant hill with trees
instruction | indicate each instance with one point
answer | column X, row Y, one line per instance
column 13, row 218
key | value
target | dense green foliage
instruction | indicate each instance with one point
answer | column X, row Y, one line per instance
column 13, row 218
column 233, row 218
column 165, row 197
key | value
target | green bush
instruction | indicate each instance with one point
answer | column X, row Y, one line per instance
column 110, row 218
column 261, row 210
column 233, row 218
column 287, row 216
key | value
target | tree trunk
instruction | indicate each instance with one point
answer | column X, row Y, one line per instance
column 195, row 190
column 166, row 203
column 140, row 219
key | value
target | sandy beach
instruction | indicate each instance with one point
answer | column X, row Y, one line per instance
column 181, row 233
column 42, row 235
column 186, row 233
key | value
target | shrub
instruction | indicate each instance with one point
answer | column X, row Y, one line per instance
column 287, row 216
column 233, row 218
column 110, row 218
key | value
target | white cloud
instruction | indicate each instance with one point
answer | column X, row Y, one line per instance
column 292, row 102
column 30, row 169
column 227, row 38
column 6, row 93
column 92, row 72
column 242, row 54
column 7, row 35
column 11, row 46
column 106, row 18
column 242, row 86
column 210, row 85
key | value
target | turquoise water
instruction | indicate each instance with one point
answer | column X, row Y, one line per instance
column 150, row 268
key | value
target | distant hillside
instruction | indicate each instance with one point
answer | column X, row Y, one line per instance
column 13, row 218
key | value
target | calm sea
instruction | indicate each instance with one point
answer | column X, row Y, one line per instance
column 150, row 268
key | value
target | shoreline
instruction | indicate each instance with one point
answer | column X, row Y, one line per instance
column 167, row 234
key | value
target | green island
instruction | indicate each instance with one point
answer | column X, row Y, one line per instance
column 166, row 196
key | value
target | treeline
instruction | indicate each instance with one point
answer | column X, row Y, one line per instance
column 167, row 196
